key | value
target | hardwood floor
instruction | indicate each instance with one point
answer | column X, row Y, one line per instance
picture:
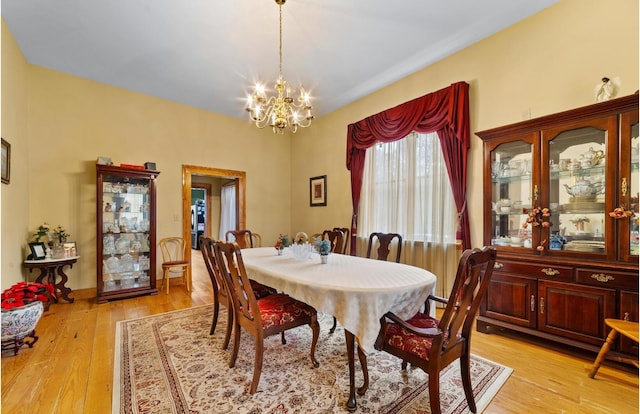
column 70, row 369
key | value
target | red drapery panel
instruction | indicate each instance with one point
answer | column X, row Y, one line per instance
column 446, row 112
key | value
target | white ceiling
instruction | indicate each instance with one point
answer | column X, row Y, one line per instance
column 208, row 53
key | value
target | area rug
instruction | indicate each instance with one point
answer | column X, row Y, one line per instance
column 168, row 363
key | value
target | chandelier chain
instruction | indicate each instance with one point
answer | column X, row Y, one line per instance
column 280, row 111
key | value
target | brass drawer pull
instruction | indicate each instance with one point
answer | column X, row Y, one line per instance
column 541, row 305
column 601, row 277
column 497, row 265
column 550, row 272
column 533, row 303
column 626, row 316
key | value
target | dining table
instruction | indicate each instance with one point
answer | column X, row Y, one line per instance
column 358, row 291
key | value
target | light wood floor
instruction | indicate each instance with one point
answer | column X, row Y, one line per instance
column 70, row 369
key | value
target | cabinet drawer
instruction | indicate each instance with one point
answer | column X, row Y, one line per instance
column 607, row 278
column 546, row 271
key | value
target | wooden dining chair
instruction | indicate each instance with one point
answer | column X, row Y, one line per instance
column 432, row 344
column 244, row 238
column 220, row 294
column 384, row 242
column 336, row 237
column 345, row 238
column 260, row 317
column 627, row 329
column 175, row 260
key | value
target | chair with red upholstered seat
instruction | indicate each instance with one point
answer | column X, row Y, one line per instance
column 220, row 294
column 433, row 344
column 260, row 317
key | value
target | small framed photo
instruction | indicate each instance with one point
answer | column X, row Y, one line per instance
column 38, row 251
column 318, row 191
column 70, row 249
column 6, row 161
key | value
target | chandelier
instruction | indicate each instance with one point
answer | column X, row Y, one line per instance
column 280, row 111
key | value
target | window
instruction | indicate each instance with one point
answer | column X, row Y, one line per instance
column 406, row 190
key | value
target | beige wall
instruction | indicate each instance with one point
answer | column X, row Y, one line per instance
column 15, row 195
column 547, row 63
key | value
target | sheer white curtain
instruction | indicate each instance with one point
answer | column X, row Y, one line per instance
column 227, row 209
column 406, row 190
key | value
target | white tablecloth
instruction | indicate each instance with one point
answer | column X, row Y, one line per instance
column 357, row 291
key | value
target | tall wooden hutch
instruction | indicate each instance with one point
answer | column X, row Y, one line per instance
column 126, row 232
column 573, row 179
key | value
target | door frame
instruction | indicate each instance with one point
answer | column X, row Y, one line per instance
column 187, row 172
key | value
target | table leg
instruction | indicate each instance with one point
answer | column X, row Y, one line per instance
column 365, row 371
column 64, row 291
column 352, row 404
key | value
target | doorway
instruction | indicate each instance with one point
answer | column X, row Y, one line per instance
column 191, row 178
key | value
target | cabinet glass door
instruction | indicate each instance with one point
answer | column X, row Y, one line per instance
column 577, row 184
column 125, row 237
column 511, row 192
column 626, row 213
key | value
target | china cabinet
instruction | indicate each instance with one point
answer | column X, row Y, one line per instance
column 126, row 232
column 561, row 207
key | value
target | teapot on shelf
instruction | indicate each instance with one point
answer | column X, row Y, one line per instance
column 585, row 189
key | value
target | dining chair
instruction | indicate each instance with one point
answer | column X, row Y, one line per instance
column 384, row 242
column 336, row 237
column 260, row 317
column 432, row 344
column 175, row 260
column 345, row 238
column 220, row 294
column 256, row 240
column 244, row 238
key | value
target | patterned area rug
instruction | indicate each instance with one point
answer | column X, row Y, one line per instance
column 168, row 363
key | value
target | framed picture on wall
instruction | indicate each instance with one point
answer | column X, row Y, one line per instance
column 318, row 191
column 6, row 161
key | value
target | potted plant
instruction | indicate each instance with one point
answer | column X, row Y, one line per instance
column 22, row 306
column 324, row 248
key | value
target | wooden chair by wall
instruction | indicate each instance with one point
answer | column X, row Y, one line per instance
column 345, row 239
column 336, row 238
column 433, row 344
column 260, row 317
column 175, row 260
column 384, row 240
column 244, row 238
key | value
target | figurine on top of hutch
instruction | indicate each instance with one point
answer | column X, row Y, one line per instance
column 126, row 232
column 561, row 207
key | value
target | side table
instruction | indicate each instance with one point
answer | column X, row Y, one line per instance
column 53, row 271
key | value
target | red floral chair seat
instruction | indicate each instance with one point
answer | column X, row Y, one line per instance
column 400, row 338
column 280, row 309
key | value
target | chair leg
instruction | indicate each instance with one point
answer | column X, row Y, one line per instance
column 257, row 366
column 236, row 345
column 227, row 336
column 315, row 328
column 465, row 373
column 165, row 279
column 214, row 322
column 284, row 340
column 603, row 352
column 434, row 391
column 333, row 328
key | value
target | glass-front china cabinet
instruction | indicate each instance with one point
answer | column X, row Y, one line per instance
column 126, row 232
column 561, row 207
